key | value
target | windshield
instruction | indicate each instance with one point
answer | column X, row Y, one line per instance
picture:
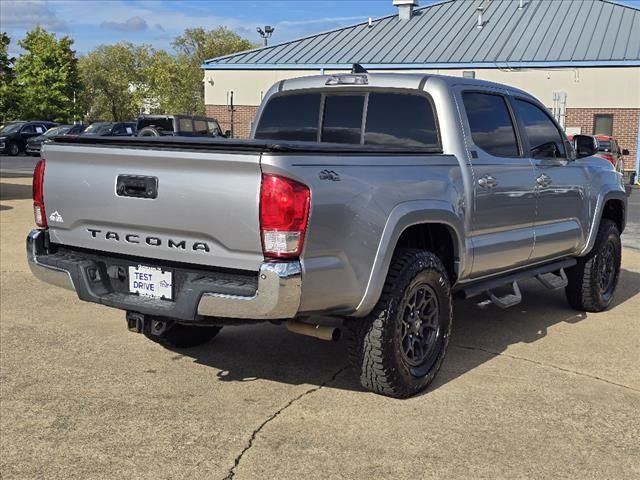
column 52, row 132
column 97, row 129
column 12, row 127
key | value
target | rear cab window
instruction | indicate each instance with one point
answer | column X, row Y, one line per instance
column 293, row 117
column 354, row 117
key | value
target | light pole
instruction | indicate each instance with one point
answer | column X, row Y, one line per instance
column 266, row 33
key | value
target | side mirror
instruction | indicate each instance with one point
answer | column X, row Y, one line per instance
column 625, row 151
column 584, row 145
column 227, row 133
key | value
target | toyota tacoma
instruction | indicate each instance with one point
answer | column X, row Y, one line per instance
column 371, row 198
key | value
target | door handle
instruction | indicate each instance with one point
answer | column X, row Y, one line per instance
column 543, row 180
column 487, row 181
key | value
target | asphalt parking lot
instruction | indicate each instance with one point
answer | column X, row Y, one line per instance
column 538, row 391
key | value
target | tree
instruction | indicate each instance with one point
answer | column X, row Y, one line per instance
column 8, row 101
column 168, row 89
column 114, row 81
column 195, row 46
column 47, row 76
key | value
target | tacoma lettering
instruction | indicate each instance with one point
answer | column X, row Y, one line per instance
column 150, row 241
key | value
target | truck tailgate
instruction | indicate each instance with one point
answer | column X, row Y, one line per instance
column 205, row 211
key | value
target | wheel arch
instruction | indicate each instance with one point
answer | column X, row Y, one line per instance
column 419, row 224
column 611, row 204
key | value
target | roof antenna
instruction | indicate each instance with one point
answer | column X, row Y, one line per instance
column 357, row 68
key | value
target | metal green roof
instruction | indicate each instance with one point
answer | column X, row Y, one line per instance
column 445, row 35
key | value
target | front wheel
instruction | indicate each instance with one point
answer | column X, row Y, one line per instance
column 593, row 281
column 398, row 349
column 13, row 149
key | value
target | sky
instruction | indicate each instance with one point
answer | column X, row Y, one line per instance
column 94, row 22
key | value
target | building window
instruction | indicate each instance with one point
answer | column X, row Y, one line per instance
column 603, row 124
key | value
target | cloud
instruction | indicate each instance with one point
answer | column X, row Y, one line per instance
column 133, row 24
column 27, row 14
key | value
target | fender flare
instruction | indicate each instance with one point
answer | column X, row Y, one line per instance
column 403, row 216
column 606, row 193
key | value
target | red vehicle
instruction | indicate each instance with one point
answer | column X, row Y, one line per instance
column 608, row 149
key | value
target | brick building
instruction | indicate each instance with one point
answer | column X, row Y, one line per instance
column 580, row 57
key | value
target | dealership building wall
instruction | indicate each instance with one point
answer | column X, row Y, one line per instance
column 589, row 92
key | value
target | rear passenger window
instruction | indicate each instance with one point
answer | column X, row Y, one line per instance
column 545, row 140
column 490, row 123
column 200, row 127
column 185, row 125
column 400, row 120
column 342, row 119
column 291, row 117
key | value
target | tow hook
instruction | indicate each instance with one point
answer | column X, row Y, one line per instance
column 140, row 323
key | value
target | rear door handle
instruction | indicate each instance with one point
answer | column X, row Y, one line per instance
column 544, row 180
column 487, row 181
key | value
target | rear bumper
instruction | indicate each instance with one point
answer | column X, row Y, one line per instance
column 273, row 293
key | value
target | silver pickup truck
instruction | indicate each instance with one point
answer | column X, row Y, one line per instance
column 373, row 198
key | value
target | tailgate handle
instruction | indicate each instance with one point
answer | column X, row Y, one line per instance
column 137, row 186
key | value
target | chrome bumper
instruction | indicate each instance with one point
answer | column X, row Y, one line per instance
column 277, row 295
column 46, row 273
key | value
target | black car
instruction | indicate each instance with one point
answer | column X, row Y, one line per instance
column 178, row 125
column 14, row 135
column 35, row 143
column 111, row 129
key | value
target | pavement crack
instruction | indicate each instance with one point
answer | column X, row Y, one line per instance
column 548, row 365
column 254, row 434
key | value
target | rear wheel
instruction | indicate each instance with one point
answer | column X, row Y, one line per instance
column 185, row 336
column 398, row 349
column 593, row 281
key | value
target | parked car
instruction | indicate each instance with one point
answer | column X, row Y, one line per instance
column 14, row 135
column 111, row 129
column 178, row 125
column 406, row 191
column 34, row 143
column 608, row 149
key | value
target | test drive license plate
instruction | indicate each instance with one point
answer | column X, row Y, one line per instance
column 151, row 282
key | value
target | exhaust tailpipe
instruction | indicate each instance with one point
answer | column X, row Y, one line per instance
column 330, row 334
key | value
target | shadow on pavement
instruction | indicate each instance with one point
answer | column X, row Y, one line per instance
column 264, row 351
column 14, row 191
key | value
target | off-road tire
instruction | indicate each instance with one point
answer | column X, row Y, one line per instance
column 376, row 344
column 584, row 290
column 13, row 149
column 185, row 336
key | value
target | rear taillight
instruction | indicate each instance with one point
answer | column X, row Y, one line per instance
column 284, row 211
column 38, row 196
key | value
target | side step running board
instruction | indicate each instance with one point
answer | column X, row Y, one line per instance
column 546, row 274
column 553, row 281
column 506, row 301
